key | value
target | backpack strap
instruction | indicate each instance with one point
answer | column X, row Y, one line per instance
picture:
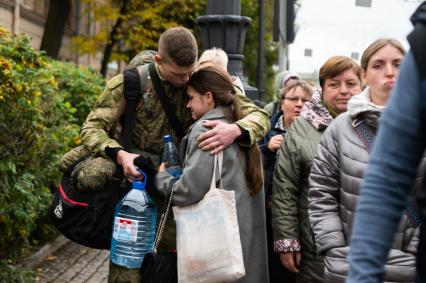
column 132, row 84
column 367, row 136
column 167, row 106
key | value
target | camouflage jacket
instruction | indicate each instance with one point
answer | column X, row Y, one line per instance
column 149, row 129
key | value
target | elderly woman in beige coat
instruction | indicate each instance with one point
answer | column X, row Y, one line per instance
column 339, row 166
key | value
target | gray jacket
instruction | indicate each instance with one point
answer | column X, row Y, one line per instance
column 335, row 181
column 195, row 182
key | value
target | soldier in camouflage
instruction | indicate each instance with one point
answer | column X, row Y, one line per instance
column 175, row 61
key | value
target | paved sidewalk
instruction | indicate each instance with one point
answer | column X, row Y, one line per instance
column 74, row 263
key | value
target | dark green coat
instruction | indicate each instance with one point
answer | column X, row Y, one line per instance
column 290, row 219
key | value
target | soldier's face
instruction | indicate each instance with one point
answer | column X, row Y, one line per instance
column 174, row 74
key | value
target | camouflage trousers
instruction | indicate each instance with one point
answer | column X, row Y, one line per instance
column 119, row 274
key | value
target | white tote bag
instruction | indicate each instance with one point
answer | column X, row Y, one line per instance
column 208, row 238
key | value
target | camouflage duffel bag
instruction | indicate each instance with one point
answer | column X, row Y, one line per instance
column 82, row 208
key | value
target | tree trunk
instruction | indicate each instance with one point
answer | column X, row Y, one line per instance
column 54, row 27
column 112, row 39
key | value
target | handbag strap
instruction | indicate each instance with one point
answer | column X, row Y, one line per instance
column 218, row 158
column 167, row 106
column 163, row 220
column 368, row 137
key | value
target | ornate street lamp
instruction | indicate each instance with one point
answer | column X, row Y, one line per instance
column 225, row 28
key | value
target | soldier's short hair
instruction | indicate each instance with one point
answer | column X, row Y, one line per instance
column 179, row 45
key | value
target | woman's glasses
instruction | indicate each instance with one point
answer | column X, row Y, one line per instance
column 295, row 99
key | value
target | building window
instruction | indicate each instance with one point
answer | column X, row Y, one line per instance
column 363, row 3
column 308, row 52
column 37, row 6
column 355, row 55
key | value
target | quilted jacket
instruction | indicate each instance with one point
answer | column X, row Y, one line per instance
column 335, row 181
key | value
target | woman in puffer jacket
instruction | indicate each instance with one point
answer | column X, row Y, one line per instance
column 340, row 79
column 339, row 166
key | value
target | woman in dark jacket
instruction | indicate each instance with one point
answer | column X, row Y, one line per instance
column 293, row 97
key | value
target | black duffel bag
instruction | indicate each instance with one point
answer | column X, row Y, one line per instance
column 86, row 217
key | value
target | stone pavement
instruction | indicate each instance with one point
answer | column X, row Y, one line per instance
column 74, row 263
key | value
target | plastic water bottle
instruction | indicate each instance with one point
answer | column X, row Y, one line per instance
column 171, row 157
column 135, row 221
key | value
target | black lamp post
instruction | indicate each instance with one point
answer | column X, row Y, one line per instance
column 225, row 28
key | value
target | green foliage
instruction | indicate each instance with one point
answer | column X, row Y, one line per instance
column 38, row 123
column 10, row 275
column 142, row 24
column 79, row 87
column 249, row 8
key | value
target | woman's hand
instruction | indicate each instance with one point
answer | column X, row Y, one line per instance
column 291, row 261
column 275, row 142
column 162, row 167
column 125, row 159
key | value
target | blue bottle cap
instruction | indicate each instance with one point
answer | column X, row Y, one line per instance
column 138, row 185
column 167, row 138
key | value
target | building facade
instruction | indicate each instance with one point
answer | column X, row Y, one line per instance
column 29, row 17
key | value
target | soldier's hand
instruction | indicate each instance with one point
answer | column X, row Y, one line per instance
column 219, row 137
column 125, row 159
column 275, row 142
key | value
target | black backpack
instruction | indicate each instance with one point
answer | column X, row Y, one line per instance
column 86, row 217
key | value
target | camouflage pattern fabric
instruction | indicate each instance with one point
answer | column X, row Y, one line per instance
column 91, row 173
column 94, row 173
column 150, row 127
column 119, row 274
column 72, row 156
column 142, row 58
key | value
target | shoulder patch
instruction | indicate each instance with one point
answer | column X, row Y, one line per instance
column 115, row 81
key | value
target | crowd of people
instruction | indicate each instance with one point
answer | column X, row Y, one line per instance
column 296, row 214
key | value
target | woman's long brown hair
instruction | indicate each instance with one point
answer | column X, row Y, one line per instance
column 219, row 83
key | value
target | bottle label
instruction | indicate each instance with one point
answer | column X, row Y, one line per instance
column 125, row 229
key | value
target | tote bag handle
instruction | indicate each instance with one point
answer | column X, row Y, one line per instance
column 218, row 158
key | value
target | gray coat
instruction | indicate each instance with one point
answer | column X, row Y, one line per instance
column 335, row 182
column 195, row 182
